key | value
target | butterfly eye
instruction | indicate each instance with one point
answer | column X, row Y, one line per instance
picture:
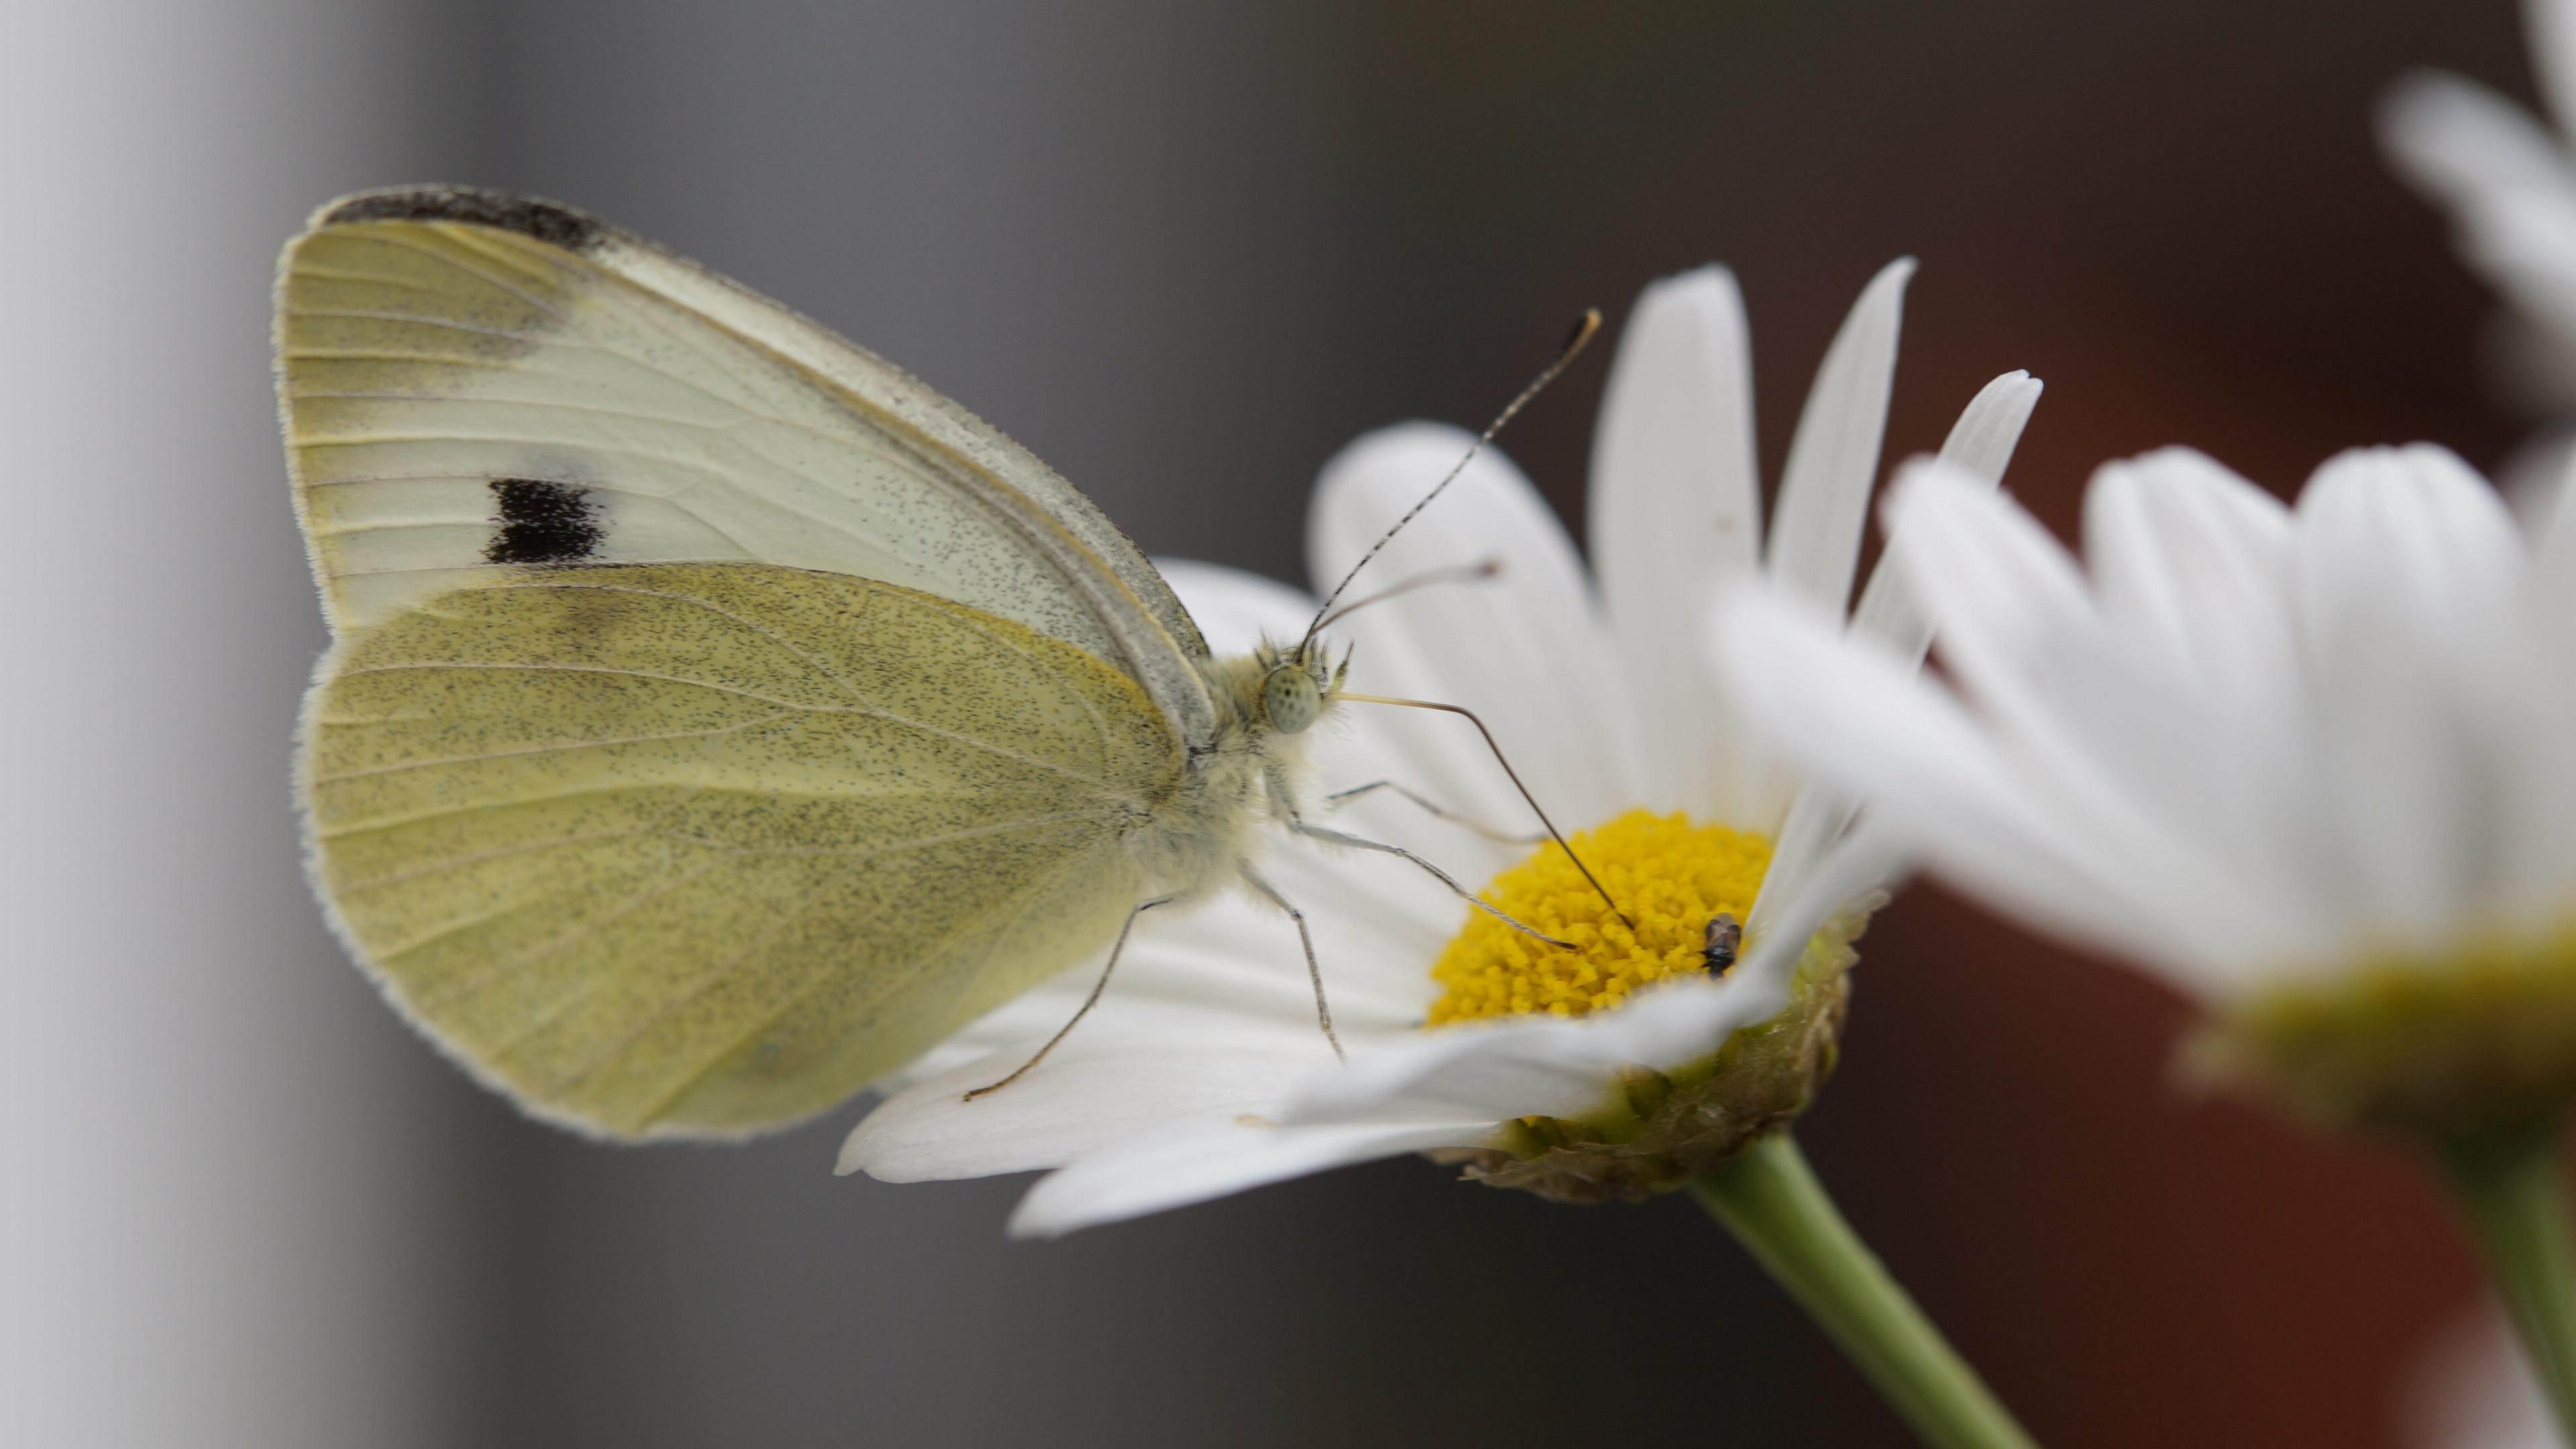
column 1291, row 698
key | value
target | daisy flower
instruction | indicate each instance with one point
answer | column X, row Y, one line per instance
column 2509, row 184
column 1652, row 1053
column 1202, row 1072
column 1686, row 1027
column 2315, row 768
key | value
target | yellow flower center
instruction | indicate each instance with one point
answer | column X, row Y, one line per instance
column 1669, row 876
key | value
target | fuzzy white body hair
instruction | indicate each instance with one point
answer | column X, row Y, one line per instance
column 1246, row 775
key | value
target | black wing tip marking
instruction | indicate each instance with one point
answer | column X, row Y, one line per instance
column 543, row 522
column 547, row 221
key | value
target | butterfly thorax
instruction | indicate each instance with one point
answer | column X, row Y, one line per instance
column 1246, row 772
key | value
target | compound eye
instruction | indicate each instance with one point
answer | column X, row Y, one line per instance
column 1291, row 699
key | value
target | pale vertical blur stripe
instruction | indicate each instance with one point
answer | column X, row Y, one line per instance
column 226, row 1170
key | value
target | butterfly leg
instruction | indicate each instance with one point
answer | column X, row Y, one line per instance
column 1305, row 938
column 1339, row 798
column 1088, row 1002
column 1336, row 837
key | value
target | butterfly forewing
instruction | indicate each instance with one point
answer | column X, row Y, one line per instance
column 474, row 382
column 703, row 849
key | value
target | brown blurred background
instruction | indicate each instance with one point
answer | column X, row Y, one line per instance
column 1184, row 252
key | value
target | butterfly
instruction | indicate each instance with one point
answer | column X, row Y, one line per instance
column 716, row 717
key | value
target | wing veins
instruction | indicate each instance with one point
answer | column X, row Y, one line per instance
column 449, row 259
column 498, row 969
column 723, row 853
column 819, row 665
column 895, row 847
column 477, row 857
column 799, row 997
column 1099, row 722
column 705, row 982
column 518, row 402
column 861, row 711
column 371, row 315
column 549, row 749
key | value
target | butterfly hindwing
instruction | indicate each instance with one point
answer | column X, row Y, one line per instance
column 701, row 849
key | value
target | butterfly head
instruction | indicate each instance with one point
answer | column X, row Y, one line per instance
column 1295, row 685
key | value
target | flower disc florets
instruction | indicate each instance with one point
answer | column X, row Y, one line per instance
column 2479, row 1047
column 1670, row 878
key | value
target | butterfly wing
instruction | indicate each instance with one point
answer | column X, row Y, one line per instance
column 473, row 381
column 698, row 850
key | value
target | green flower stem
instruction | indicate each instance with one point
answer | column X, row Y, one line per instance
column 1769, row 1198
column 2515, row 1197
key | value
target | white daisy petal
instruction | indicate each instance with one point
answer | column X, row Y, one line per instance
column 2083, row 718
column 1792, row 909
column 2191, row 558
column 2525, row 241
column 1824, row 490
column 2411, row 531
column 2406, row 561
column 1216, row 1010
column 1980, row 446
column 1193, row 1161
column 1864, row 719
column 2553, row 564
column 1525, row 650
column 1982, row 441
column 2261, row 746
column 1676, row 512
column 1816, row 823
column 1534, row 1066
column 2463, row 142
column 1098, row 1089
column 2551, row 27
column 2504, row 180
column 1997, row 582
column 2551, row 505
column 2191, row 566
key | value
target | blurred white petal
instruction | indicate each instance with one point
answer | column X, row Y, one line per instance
column 1928, row 770
column 2551, row 26
column 2471, row 1388
column 2463, row 142
column 2256, row 744
column 2506, row 182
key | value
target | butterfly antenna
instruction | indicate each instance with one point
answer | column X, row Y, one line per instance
column 1565, row 355
column 1503, row 760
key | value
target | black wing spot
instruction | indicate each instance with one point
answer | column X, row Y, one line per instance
column 547, row 221
column 543, row 523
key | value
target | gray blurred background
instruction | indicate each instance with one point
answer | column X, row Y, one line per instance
column 1184, row 252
